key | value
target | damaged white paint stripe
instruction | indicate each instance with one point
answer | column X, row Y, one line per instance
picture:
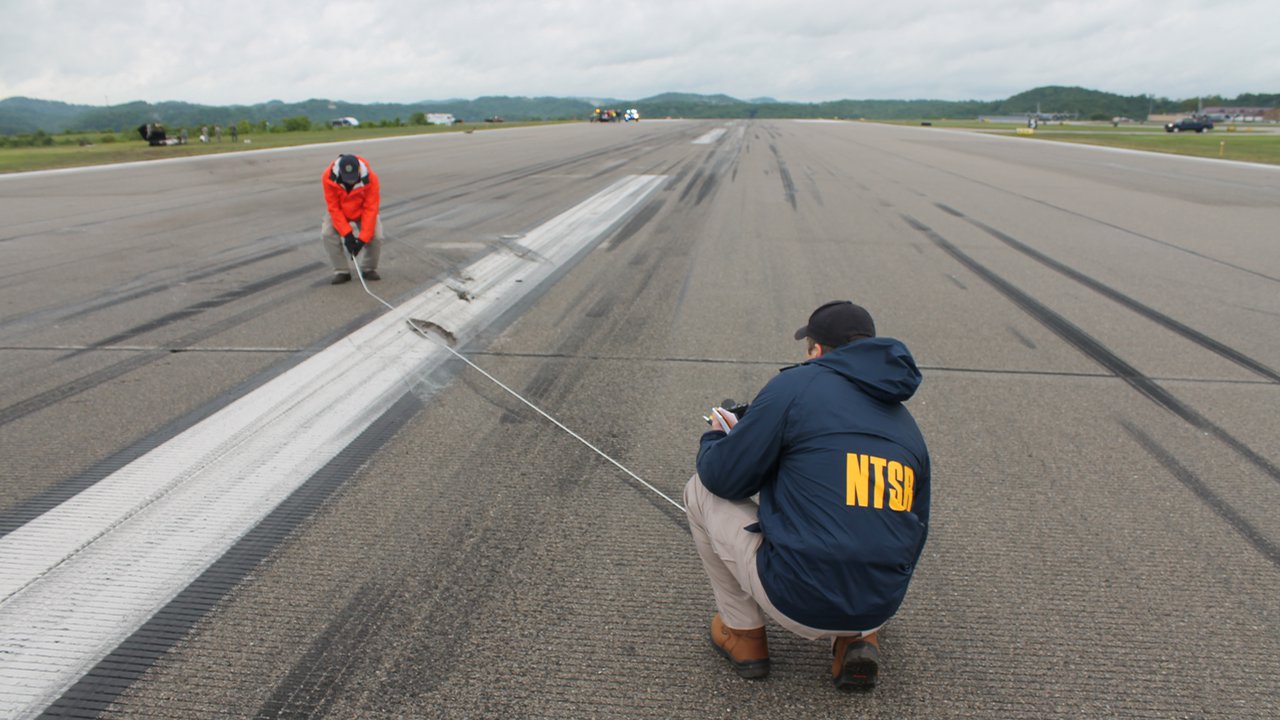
column 78, row 580
column 709, row 137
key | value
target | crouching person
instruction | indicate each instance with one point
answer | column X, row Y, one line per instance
column 352, row 196
column 842, row 477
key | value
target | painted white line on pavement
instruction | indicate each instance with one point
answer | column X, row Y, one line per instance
column 78, row 580
column 709, row 137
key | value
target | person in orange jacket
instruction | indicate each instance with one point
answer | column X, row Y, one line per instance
column 352, row 227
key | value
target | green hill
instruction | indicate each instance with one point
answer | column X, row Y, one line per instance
column 1086, row 104
column 26, row 115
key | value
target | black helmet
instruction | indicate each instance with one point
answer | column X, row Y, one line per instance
column 349, row 169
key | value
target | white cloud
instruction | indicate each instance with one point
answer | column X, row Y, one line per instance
column 241, row 52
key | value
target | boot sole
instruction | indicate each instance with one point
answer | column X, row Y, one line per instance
column 747, row 670
column 859, row 671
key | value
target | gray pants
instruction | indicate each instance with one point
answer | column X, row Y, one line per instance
column 338, row 252
column 728, row 553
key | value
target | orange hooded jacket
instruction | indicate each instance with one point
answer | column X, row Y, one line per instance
column 359, row 204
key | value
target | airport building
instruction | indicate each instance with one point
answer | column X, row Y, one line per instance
column 1243, row 114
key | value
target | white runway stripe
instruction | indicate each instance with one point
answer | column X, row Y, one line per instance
column 78, row 580
column 709, row 137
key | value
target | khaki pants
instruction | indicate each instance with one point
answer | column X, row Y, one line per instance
column 728, row 553
column 368, row 257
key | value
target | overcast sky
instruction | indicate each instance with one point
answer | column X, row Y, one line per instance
column 223, row 52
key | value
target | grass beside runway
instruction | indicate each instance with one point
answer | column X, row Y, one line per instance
column 1044, row 128
column 1257, row 144
column 66, row 152
column 1242, row 147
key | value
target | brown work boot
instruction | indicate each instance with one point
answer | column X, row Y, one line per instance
column 747, row 650
column 855, row 662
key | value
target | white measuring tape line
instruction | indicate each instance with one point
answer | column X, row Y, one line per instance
column 513, row 393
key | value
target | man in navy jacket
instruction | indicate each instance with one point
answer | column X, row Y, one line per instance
column 840, row 472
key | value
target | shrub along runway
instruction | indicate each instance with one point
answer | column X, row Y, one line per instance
column 1100, row 371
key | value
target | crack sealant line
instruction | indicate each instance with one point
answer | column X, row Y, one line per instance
column 81, row 578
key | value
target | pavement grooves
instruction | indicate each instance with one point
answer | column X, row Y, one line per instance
column 712, row 167
column 309, row 688
column 187, row 526
column 693, row 182
column 81, row 384
column 196, row 309
column 1074, row 213
column 788, row 185
column 784, row 362
column 634, row 225
column 416, row 206
column 1111, row 293
column 449, row 603
column 9, row 326
column 1134, row 233
column 35, row 506
column 1193, row 483
column 311, row 684
column 726, row 160
column 1090, row 346
column 94, row 693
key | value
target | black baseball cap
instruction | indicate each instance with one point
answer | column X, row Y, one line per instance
column 835, row 323
column 349, row 169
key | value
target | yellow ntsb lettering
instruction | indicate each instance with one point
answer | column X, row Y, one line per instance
column 878, row 498
column 856, row 480
column 900, row 478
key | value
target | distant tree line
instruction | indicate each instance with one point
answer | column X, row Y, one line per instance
column 297, row 123
column 26, row 116
column 1078, row 102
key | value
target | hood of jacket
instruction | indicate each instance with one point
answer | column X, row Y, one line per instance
column 882, row 367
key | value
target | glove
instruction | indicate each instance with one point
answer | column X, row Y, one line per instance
column 354, row 246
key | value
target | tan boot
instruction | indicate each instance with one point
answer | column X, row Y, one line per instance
column 747, row 650
column 855, row 662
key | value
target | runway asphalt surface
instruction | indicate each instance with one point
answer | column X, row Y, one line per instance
column 1096, row 328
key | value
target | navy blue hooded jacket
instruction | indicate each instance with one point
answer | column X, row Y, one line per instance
column 843, row 476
